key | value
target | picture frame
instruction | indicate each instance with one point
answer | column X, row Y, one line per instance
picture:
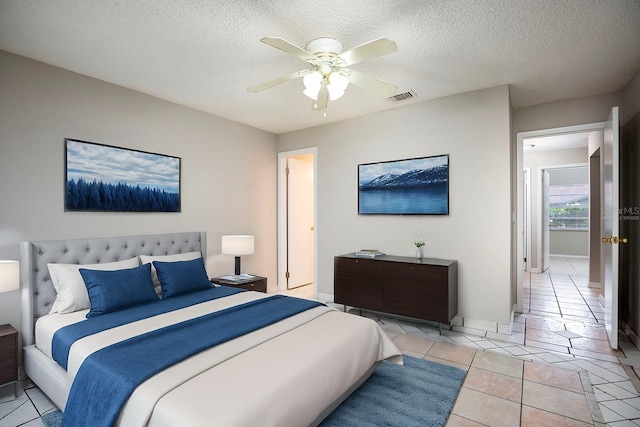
column 100, row 177
column 415, row 186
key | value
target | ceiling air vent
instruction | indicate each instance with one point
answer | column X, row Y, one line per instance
column 402, row 96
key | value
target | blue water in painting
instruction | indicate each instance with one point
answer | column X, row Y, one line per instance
column 433, row 199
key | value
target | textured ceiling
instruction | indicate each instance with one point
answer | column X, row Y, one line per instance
column 565, row 141
column 204, row 54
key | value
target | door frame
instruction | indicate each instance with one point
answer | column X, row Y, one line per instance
column 282, row 215
column 518, row 266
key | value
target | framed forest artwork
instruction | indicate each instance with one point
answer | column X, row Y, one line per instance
column 102, row 177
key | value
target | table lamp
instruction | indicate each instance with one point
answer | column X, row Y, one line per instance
column 9, row 275
column 237, row 245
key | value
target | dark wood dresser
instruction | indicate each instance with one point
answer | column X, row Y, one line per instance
column 424, row 289
column 9, row 357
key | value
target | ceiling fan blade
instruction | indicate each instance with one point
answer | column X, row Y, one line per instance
column 266, row 85
column 373, row 49
column 289, row 48
column 368, row 82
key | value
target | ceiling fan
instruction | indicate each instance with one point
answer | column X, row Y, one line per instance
column 328, row 77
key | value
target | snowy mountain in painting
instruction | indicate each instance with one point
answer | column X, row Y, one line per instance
column 412, row 179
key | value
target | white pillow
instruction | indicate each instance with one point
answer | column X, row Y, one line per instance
column 70, row 288
column 148, row 259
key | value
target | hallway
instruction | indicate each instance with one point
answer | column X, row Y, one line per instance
column 564, row 314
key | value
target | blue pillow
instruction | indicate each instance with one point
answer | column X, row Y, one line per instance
column 182, row 277
column 117, row 289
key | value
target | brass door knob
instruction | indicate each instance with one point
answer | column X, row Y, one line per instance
column 614, row 240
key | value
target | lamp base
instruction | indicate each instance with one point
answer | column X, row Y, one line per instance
column 237, row 266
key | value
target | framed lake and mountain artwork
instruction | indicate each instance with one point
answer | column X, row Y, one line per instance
column 418, row 186
column 102, row 177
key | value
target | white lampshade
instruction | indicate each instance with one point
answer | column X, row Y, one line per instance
column 337, row 85
column 312, row 83
column 9, row 275
column 237, row 245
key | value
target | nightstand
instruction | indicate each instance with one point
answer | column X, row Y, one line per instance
column 9, row 357
column 254, row 283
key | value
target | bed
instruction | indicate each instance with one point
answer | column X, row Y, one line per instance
column 291, row 370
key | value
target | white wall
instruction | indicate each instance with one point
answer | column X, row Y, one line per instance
column 473, row 128
column 579, row 111
column 573, row 243
column 228, row 169
column 631, row 98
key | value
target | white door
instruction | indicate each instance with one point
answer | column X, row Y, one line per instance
column 545, row 221
column 300, row 232
column 610, row 249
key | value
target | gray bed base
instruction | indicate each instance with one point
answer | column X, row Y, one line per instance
column 38, row 292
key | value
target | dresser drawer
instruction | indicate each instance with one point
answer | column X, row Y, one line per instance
column 357, row 268
column 8, row 354
column 360, row 292
column 422, row 300
column 415, row 273
column 357, row 283
column 258, row 286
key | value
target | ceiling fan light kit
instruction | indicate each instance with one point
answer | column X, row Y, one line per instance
column 329, row 77
column 334, row 82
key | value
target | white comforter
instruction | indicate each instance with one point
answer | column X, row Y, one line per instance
column 285, row 374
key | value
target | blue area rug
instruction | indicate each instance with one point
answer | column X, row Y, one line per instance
column 52, row 419
column 418, row 393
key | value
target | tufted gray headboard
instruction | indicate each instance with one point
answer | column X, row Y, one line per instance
column 38, row 292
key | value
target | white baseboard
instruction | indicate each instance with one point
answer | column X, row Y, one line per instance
column 595, row 285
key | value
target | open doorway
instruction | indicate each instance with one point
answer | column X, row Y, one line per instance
column 571, row 146
column 297, row 222
column 602, row 156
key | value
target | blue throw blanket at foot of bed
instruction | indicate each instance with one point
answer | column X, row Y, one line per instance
column 107, row 378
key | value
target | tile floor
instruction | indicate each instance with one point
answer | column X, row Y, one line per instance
column 26, row 409
column 555, row 369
